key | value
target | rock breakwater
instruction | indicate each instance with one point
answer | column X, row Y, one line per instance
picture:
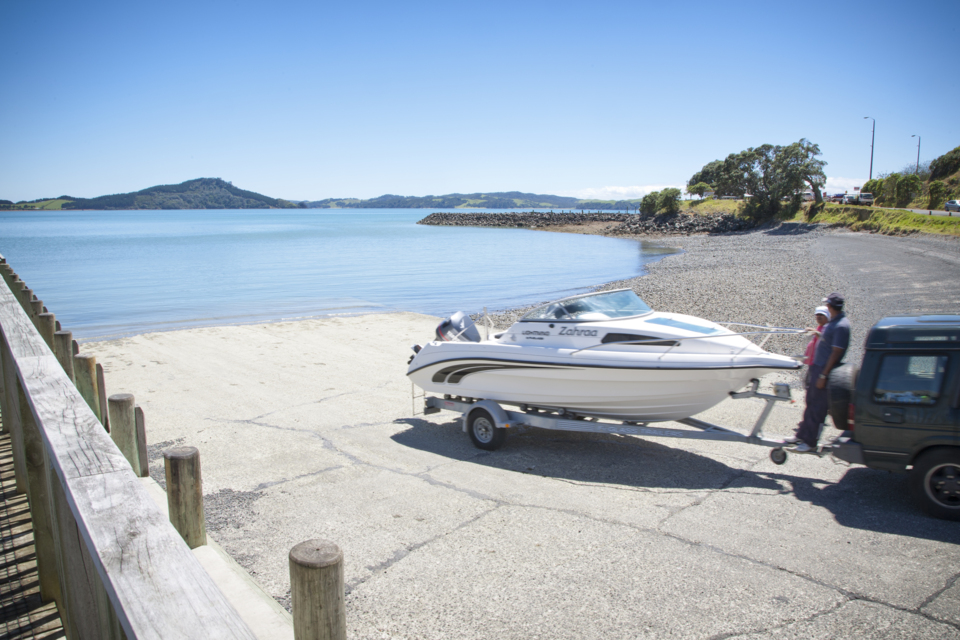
column 680, row 224
column 626, row 223
column 529, row 220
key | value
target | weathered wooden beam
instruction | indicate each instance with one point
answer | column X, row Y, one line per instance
column 185, row 494
column 11, row 416
column 153, row 582
column 316, row 591
column 40, row 503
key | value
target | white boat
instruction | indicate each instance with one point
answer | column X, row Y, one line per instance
column 603, row 355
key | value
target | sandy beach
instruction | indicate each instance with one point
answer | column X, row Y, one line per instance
column 309, row 430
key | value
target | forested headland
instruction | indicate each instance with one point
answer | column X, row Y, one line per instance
column 496, row 200
column 202, row 193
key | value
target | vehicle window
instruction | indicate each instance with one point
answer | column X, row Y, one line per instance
column 907, row 379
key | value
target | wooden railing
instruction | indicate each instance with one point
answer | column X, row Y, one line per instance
column 105, row 552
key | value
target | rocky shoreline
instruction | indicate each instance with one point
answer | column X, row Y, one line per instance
column 626, row 223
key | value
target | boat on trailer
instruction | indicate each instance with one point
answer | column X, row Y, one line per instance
column 598, row 355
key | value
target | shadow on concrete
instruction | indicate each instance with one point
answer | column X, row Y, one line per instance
column 867, row 499
column 862, row 499
column 578, row 457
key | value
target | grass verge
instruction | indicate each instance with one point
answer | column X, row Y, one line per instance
column 711, row 206
column 885, row 221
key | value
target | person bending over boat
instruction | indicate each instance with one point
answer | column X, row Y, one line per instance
column 828, row 354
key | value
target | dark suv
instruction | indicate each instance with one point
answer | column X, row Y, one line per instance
column 904, row 407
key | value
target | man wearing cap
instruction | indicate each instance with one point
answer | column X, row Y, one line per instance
column 829, row 353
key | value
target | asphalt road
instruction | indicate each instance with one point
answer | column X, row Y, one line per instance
column 934, row 212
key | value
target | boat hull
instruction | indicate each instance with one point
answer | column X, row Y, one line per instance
column 619, row 389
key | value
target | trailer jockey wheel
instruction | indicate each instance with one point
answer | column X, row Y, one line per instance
column 779, row 456
column 484, row 432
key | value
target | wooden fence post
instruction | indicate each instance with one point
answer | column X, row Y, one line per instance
column 102, row 390
column 47, row 326
column 123, row 430
column 85, row 370
column 185, row 494
column 141, row 425
column 63, row 349
column 316, row 591
column 25, row 295
column 36, row 308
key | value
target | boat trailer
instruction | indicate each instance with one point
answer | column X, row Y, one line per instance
column 487, row 422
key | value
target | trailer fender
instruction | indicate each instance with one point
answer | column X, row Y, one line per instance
column 494, row 409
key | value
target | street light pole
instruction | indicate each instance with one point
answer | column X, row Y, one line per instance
column 871, row 143
column 918, row 152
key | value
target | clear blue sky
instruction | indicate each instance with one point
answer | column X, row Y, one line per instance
column 310, row 100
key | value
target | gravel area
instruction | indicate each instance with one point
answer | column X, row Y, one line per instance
column 779, row 275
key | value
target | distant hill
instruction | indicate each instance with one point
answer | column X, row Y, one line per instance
column 214, row 193
column 202, row 193
column 497, row 200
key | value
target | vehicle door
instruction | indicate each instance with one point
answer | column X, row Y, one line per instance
column 909, row 401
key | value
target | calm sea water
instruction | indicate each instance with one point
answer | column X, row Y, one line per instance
column 111, row 273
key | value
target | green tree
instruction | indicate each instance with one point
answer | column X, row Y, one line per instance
column 699, row 188
column 769, row 173
column 669, row 200
column 938, row 194
column 800, row 159
column 708, row 174
column 875, row 187
column 908, row 188
column 946, row 165
column 650, row 202
column 890, row 188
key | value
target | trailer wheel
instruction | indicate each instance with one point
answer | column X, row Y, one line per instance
column 935, row 482
column 778, row 456
column 484, row 431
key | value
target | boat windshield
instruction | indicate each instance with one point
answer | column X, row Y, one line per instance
column 605, row 305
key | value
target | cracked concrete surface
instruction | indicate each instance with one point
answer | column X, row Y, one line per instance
column 557, row 535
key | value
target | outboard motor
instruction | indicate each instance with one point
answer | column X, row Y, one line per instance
column 458, row 328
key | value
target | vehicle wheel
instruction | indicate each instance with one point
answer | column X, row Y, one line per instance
column 935, row 482
column 484, row 431
column 840, row 388
column 779, row 456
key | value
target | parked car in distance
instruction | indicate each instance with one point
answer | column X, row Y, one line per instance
column 837, row 197
column 952, row 205
column 866, row 199
column 850, row 198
